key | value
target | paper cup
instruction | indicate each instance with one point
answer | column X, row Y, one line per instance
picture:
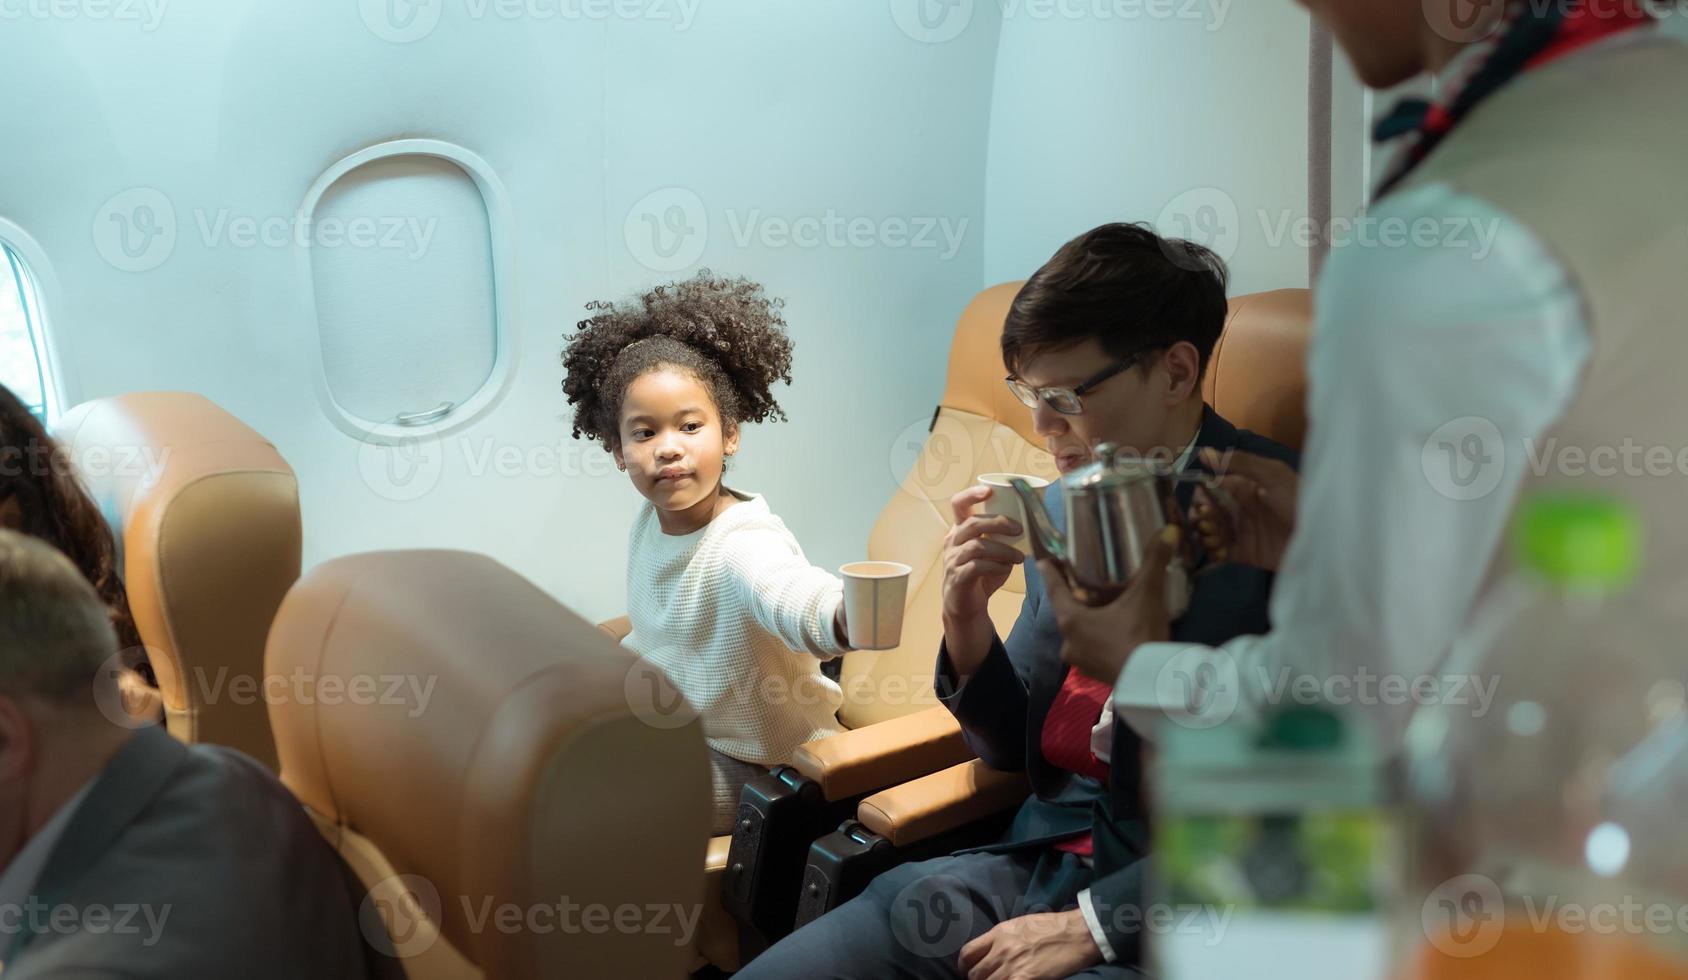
column 874, row 594
column 1003, row 500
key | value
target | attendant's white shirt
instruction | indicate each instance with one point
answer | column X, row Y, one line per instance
column 739, row 621
column 1432, row 367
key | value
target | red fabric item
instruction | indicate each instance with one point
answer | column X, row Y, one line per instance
column 1065, row 739
column 1586, row 22
column 1080, row 845
column 1591, row 21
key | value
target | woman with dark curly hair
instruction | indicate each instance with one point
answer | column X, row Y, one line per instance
column 719, row 593
column 41, row 496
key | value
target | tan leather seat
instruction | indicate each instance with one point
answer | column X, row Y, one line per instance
column 979, row 428
column 718, row 935
column 1258, row 376
column 524, row 776
column 207, row 516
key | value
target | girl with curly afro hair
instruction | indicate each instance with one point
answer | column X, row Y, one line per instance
column 719, row 594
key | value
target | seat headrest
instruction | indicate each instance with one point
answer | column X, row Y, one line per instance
column 503, row 748
column 976, row 373
column 1257, row 377
column 206, row 514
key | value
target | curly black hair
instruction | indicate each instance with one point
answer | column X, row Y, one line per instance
column 723, row 331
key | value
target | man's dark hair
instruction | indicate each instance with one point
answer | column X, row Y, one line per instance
column 1127, row 287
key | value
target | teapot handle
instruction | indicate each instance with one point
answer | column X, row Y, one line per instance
column 1207, row 481
column 1210, row 483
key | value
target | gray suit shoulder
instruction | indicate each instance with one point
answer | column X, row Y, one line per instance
column 220, row 873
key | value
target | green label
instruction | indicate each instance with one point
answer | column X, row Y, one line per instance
column 1315, row 862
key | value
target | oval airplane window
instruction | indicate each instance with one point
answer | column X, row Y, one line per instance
column 23, row 359
column 404, row 246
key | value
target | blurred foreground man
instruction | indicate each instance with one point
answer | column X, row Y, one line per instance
column 127, row 853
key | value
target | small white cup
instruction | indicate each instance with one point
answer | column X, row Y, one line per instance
column 1003, row 500
column 874, row 595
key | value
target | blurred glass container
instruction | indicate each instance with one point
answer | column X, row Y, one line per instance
column 1547, row 836
column 1273, row 850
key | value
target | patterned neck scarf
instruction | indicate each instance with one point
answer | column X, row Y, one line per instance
column 1530, row 33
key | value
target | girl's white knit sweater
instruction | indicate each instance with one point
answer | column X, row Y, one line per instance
column 740, row 621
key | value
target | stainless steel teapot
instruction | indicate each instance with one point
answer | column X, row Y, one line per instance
column 1115, row 506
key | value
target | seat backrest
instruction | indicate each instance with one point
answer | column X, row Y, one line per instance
column 506, row 762
column 1257, row 380
column 979, row 427
column 206, row 513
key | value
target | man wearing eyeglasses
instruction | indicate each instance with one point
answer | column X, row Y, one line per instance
column 1107, row 342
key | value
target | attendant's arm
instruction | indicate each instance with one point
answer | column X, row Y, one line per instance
column 1433, row 371
column 788, row 597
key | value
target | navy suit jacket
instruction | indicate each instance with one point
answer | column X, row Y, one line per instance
column 1002, row 707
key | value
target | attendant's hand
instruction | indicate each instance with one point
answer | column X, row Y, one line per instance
column 1042, row 946
column 1098, row 640
column 1254, row 525
column 975, row 566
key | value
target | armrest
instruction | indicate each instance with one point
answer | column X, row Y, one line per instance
column 884, row 754
column 941, row 802
column 617, row 628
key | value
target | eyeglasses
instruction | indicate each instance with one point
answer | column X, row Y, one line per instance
column 1068, row 401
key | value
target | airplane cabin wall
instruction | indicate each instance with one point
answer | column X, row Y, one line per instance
column 775, row 129
column 1190, row 115
column 873, row 167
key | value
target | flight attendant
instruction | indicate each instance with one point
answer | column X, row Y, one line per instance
column 1448, row 379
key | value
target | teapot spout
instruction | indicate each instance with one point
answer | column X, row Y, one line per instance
column 1046, row 541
